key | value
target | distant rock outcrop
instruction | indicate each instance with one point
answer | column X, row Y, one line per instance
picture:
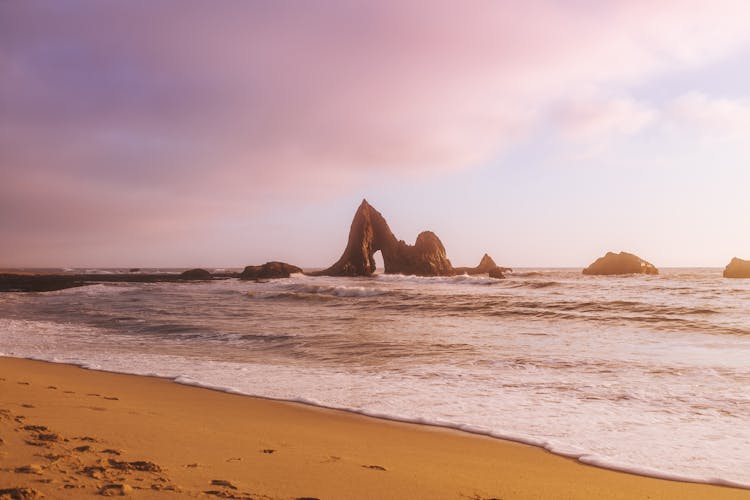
column 269, row 270
column 37, row 282
column 369, row 233
column 620, row 263
column 196, row 274
column 737, row 268
column 486, row 266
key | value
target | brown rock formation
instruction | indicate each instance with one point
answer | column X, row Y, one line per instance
column 370, row 233
column 620, row 263
column 737, row 268
column 269, row 270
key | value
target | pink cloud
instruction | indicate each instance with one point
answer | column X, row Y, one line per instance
column 712, row 117
column 210, row 108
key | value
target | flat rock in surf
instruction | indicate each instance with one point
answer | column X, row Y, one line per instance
column 269, row 270
column 737, row 268
column 37, row 282
column 620, row 263
column 196, row 274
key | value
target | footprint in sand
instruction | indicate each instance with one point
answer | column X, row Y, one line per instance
column 27, row 405
column 51, row 387
column 268, row 451
column 68, row 392
column 19, row 493
column 29, row 469
column 24, row 383
column 35, row 428
column 111, row 398
column 375, row 467
column 222, row 482
column 119, row 490
column 96, row 408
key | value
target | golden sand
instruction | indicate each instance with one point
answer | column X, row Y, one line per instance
column 69, row 433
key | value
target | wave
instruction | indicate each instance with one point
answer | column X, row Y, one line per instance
column 459, row 279
column 310, row 291
column 533, row 284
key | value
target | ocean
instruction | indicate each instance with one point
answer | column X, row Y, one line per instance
column 648, row 374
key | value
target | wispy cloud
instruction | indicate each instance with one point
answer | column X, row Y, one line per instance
column 216, row 105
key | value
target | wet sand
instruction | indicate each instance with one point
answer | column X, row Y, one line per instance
column 66, row 432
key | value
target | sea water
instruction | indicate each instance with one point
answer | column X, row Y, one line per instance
column 649, row 374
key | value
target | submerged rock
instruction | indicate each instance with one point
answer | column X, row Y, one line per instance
column 269, row 270
column 737, row 268
column 498, row 272
column 620, row 263
column 196, row 274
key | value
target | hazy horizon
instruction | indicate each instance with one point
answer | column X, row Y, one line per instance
column 542, row 133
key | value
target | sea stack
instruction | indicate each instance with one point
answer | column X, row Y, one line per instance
column 737, row 268
column 369, row 233
column 620, row 263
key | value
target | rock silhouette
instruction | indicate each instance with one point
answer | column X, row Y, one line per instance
column 269, row 270
column 369, row 233
column 620, row 263
column 737, row 268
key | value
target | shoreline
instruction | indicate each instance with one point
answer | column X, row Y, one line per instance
column 398, row 459
column 580, row 458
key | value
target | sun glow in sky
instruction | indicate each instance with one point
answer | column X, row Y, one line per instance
column 228, row 133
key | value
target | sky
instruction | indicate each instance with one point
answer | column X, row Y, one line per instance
column 225, row 133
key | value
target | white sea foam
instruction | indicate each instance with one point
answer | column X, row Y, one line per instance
column 306, row 289
column 459, row 279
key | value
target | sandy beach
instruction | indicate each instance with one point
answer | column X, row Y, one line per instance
column 69, row 432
